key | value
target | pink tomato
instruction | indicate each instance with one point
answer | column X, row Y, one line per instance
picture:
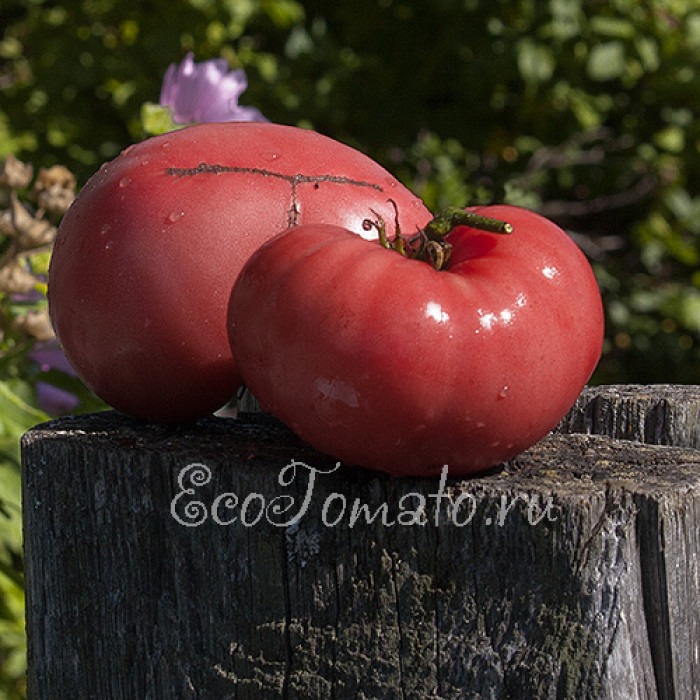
column 146, row 257
column 385, row 362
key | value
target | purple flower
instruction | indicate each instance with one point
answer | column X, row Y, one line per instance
column 206, row 92
column 48, row 355
column 54, row 401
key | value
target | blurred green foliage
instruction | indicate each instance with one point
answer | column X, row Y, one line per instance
column 583, row 110
column 17, row 414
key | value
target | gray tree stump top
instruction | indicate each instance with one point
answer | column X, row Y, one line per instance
column 170, row 563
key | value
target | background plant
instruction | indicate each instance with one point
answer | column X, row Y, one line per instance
column 582, row 109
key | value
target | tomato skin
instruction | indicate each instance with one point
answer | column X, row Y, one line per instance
column 146, row 257
column 383, row 362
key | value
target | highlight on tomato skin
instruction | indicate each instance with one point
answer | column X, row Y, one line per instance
column 466, row 366
column 146, row 257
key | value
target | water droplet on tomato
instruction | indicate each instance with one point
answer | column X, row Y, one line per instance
column 105, row 228
column 165, row 144
column 175, row 215
column 109, row 245
column 333, row 398
column 503, row 393
column 124, row 182
column 128, row 149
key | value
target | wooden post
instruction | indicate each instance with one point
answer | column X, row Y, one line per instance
column 227, row 560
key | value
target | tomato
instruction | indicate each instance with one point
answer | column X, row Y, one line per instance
column 382, row 361
column 146, row 257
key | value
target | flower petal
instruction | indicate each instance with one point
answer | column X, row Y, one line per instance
column 168, row 89
column 205, row 92
column 218, row 97
column 48, row 355
column 55, row 401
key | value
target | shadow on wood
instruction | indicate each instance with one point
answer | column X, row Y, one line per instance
column 226, row 559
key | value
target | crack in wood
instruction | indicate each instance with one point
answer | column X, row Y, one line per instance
column 294, row 180
column 288, row 647
column 655, row 600
column 393, row 573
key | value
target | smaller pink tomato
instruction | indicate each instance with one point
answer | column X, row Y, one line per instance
column 385, row 362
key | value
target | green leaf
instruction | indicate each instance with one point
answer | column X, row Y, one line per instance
column 10, row 525
column 566, row 18
column 17, row 414
column 671, row 139
column 692, row 29
column 584, row 107
column 690, row 309
column 535, row 61
column 613, row 27
column 648, row 51
column 156, row 119
column 284, row 13
column 606, row 61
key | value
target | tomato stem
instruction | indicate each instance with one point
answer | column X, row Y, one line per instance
column 451, row 217
column 429, row 243
column 398, row 243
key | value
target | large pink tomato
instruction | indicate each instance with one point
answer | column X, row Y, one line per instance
column 385, row 362
column 146, row 257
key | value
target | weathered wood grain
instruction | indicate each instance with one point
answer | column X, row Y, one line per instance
column 661, row 414
column 570, row 572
